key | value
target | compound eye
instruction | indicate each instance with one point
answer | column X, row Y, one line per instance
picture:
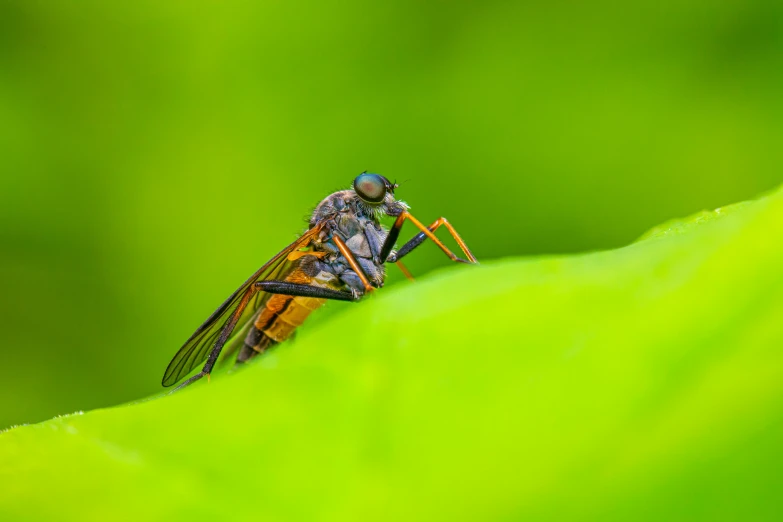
column 370, row 187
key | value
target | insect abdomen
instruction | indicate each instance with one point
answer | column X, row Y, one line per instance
column 279, row 325
column 281, row 315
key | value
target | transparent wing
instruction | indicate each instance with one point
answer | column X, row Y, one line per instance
column 197, row 348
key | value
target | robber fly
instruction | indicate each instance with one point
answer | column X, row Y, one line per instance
column 342, row 256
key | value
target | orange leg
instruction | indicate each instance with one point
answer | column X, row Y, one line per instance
column 348, row 255
column 426, row 232
column 404, row 270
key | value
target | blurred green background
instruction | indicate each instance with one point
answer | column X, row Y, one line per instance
column 154, row 154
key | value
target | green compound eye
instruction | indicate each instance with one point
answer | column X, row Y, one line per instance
column 370, row 187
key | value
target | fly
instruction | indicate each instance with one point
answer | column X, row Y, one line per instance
column 342, row 256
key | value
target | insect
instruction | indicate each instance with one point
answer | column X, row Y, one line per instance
column 342, row 256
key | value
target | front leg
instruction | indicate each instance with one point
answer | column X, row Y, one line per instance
column 426, row 232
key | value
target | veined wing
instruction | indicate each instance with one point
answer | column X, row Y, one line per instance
column 197, row 348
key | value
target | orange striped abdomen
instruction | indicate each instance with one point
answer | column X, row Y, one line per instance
column 284, row 314
column 281, row 315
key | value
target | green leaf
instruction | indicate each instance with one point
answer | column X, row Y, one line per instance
column 644, row 383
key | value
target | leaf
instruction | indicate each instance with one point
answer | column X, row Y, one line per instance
column 644, row 383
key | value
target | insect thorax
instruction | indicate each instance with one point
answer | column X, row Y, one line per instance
column 358, row 225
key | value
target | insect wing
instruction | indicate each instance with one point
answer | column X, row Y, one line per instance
column 197, row 348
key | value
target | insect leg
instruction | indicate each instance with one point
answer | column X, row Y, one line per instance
column 303, row 290
column 404, row 270
column 225, row 333
column 391, row 238
column 348, row 255
column 418, row 239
